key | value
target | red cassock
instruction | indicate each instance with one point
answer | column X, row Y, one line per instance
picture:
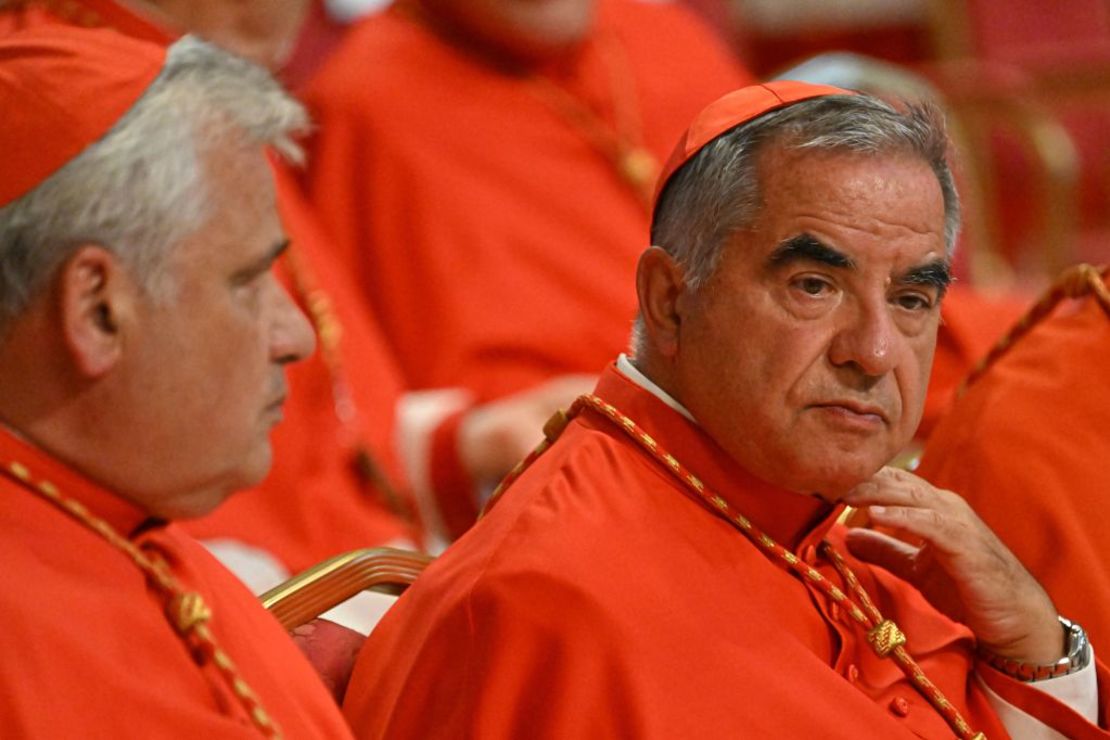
column 600, row 598
column 89, row 650
column 319, row 499
column 1027, row 446
column 494, row 239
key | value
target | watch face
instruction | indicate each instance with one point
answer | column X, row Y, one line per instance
column 1078, row 647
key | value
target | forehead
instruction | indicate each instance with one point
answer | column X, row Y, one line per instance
column 242, row 222
column 868, row 206
column 241, row 174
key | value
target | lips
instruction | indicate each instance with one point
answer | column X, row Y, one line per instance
column 274, row 408
column 279, row 392
column 853, row 408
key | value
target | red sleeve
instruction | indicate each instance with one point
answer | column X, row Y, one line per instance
column 452, row 487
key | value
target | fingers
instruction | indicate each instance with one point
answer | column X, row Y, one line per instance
column 896, row 487
column 900, row 501
column 962, row 567
column 948, row 533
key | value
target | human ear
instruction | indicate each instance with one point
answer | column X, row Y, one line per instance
column 660, row 284
column 94, row 292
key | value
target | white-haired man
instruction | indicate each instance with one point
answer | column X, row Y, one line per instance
column 143, row 345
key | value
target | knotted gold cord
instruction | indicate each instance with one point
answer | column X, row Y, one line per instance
column 185, row 610
column 884, row 636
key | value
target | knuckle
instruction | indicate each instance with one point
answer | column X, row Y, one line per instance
column 918, row 494
column 936, row 520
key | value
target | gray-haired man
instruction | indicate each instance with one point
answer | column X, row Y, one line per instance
column 143, row 341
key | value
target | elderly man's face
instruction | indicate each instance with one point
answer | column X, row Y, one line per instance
column 807, row 354
column 208, row 364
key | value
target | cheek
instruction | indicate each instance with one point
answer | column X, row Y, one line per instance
column 913, row 381
column 234, row 359
column 795, row 367
column 918, row 366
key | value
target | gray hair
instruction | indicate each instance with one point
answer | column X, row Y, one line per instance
column 142, row 188
column 716, row 193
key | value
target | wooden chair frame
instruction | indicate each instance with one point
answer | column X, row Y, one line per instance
column 311, row 593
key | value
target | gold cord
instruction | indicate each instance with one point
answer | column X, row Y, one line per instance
column 185, row 610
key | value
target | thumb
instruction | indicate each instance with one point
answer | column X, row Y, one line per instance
column 882, row 550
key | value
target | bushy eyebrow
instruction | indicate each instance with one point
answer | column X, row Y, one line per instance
column 807, row 248
column 263, row 263
column 937, row 274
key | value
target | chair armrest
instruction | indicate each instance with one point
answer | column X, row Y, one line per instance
column 309, row 594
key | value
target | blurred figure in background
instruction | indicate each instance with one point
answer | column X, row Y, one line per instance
column 486, row 169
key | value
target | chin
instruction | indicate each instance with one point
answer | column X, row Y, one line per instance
column 835, row 479
column 199, row 503
column 257, row 468
column 252, row 472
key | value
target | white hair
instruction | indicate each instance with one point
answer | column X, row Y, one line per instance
column 142, row 188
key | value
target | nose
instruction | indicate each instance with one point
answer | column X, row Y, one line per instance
column 292, row 337
column 866, row 341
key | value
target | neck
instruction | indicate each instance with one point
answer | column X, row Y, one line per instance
column 658, row 371
column 72, row 419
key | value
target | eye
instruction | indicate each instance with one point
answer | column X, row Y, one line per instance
column 914, row 301
column 812, row 285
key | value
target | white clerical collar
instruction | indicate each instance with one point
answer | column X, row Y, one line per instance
column 630, row 371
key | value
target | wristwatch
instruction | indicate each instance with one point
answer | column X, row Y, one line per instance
column 1077, row 656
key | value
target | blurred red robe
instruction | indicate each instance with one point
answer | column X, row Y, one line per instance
column 497, row 244
column 1027, row 446
column 971, row 323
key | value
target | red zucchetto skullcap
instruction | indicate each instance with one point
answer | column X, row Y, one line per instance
column 735, row 108
column 62, row 89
